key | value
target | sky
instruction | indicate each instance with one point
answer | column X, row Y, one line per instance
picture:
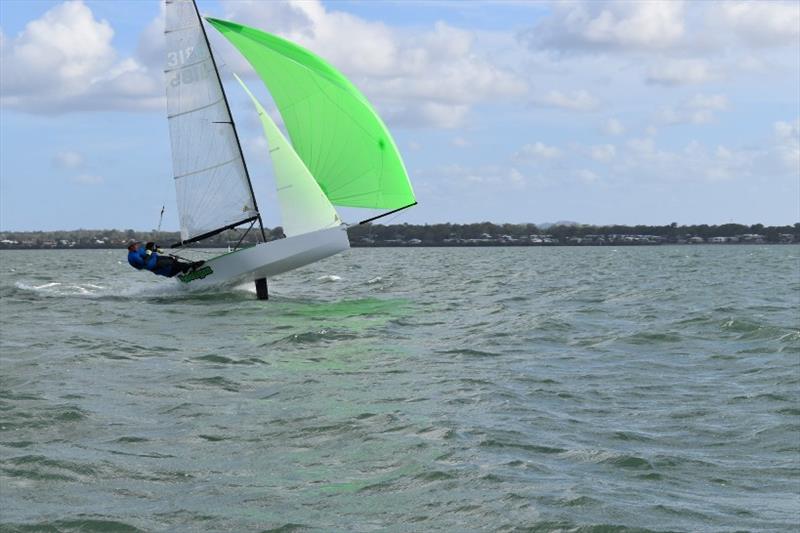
column 595, row 111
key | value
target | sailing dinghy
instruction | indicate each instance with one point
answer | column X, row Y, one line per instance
column 340, row 154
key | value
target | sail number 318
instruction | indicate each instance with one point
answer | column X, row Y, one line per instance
column 191, row 74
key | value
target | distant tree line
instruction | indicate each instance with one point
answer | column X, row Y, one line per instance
column 478, row 233
column 114, row 238
column 440, row 233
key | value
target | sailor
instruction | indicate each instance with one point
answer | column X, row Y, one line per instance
column 150, row 258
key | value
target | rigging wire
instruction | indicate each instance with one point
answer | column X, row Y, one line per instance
column 161, row 218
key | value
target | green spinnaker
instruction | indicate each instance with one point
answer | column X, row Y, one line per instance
column 333, row 128
column 304, row 207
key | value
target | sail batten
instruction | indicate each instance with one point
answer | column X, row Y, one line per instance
column 207, row 168
column 212, row 186
column 195, row 109
column 333, row 128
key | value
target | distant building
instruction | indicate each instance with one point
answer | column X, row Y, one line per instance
column 754, row 238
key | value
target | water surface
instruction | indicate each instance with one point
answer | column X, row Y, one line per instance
column 436, row 389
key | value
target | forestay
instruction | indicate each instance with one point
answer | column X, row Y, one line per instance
column 213, row 189
column 333, row 128
column 304, row 207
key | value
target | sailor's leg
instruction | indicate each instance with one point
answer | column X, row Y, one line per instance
column 261, row 289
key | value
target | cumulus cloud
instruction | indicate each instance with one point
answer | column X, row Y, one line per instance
column 68, row 159
column 672, row 43
column 680, row 72
column 713, row 102
column 642, row 146
column 65, row 61
column 787, row 136
column 574, row 101
column 423, row 77
column 616, row 24
column 603, row 152
column 761, row 24
column 539, row 150
column 642, row 158
column 587, row 176
column 614, row 127
column 494, row 175
column 699, row 109
column 412, row 115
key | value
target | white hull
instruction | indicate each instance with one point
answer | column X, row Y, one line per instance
column 267, row 259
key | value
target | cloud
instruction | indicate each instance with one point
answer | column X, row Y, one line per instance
column 575, row 101
column 643, row 147
column 644, row 160
column 680, row 72
column 433, row 114
column 761, row 24
column 587, row 176
column 64, row 61
column 603, row 152
column 151, row 48
column 420, row 77
column 68, row 159
column 623, row 25
column 670, row 43
column 614, row 127
column 787, row 137
column 699, row 109
column 460, row 142
column 539, row 150
column 494, row 175
column 715, row 102
column 88, row 179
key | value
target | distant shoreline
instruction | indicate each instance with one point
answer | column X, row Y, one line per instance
column 482, row 234
column 438, row 245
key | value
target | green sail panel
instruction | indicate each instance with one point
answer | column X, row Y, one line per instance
column 333, row 128
column 304, row 208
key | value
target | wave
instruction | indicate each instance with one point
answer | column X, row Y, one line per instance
column 81, row 524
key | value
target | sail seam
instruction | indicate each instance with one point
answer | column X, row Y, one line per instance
column 179, row 29
column 196, row 109
column 206, row 169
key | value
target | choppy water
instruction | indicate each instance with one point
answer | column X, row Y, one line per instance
column 518, row 389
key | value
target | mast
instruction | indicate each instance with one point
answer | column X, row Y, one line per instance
column 235, row 134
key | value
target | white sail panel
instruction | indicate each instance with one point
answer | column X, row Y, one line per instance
column 213, row 190
column 304, row 207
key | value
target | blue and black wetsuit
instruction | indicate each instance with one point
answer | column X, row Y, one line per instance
column 157, row 264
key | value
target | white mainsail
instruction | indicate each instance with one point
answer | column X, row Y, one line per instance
column 304, row 207
column 213, row 189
